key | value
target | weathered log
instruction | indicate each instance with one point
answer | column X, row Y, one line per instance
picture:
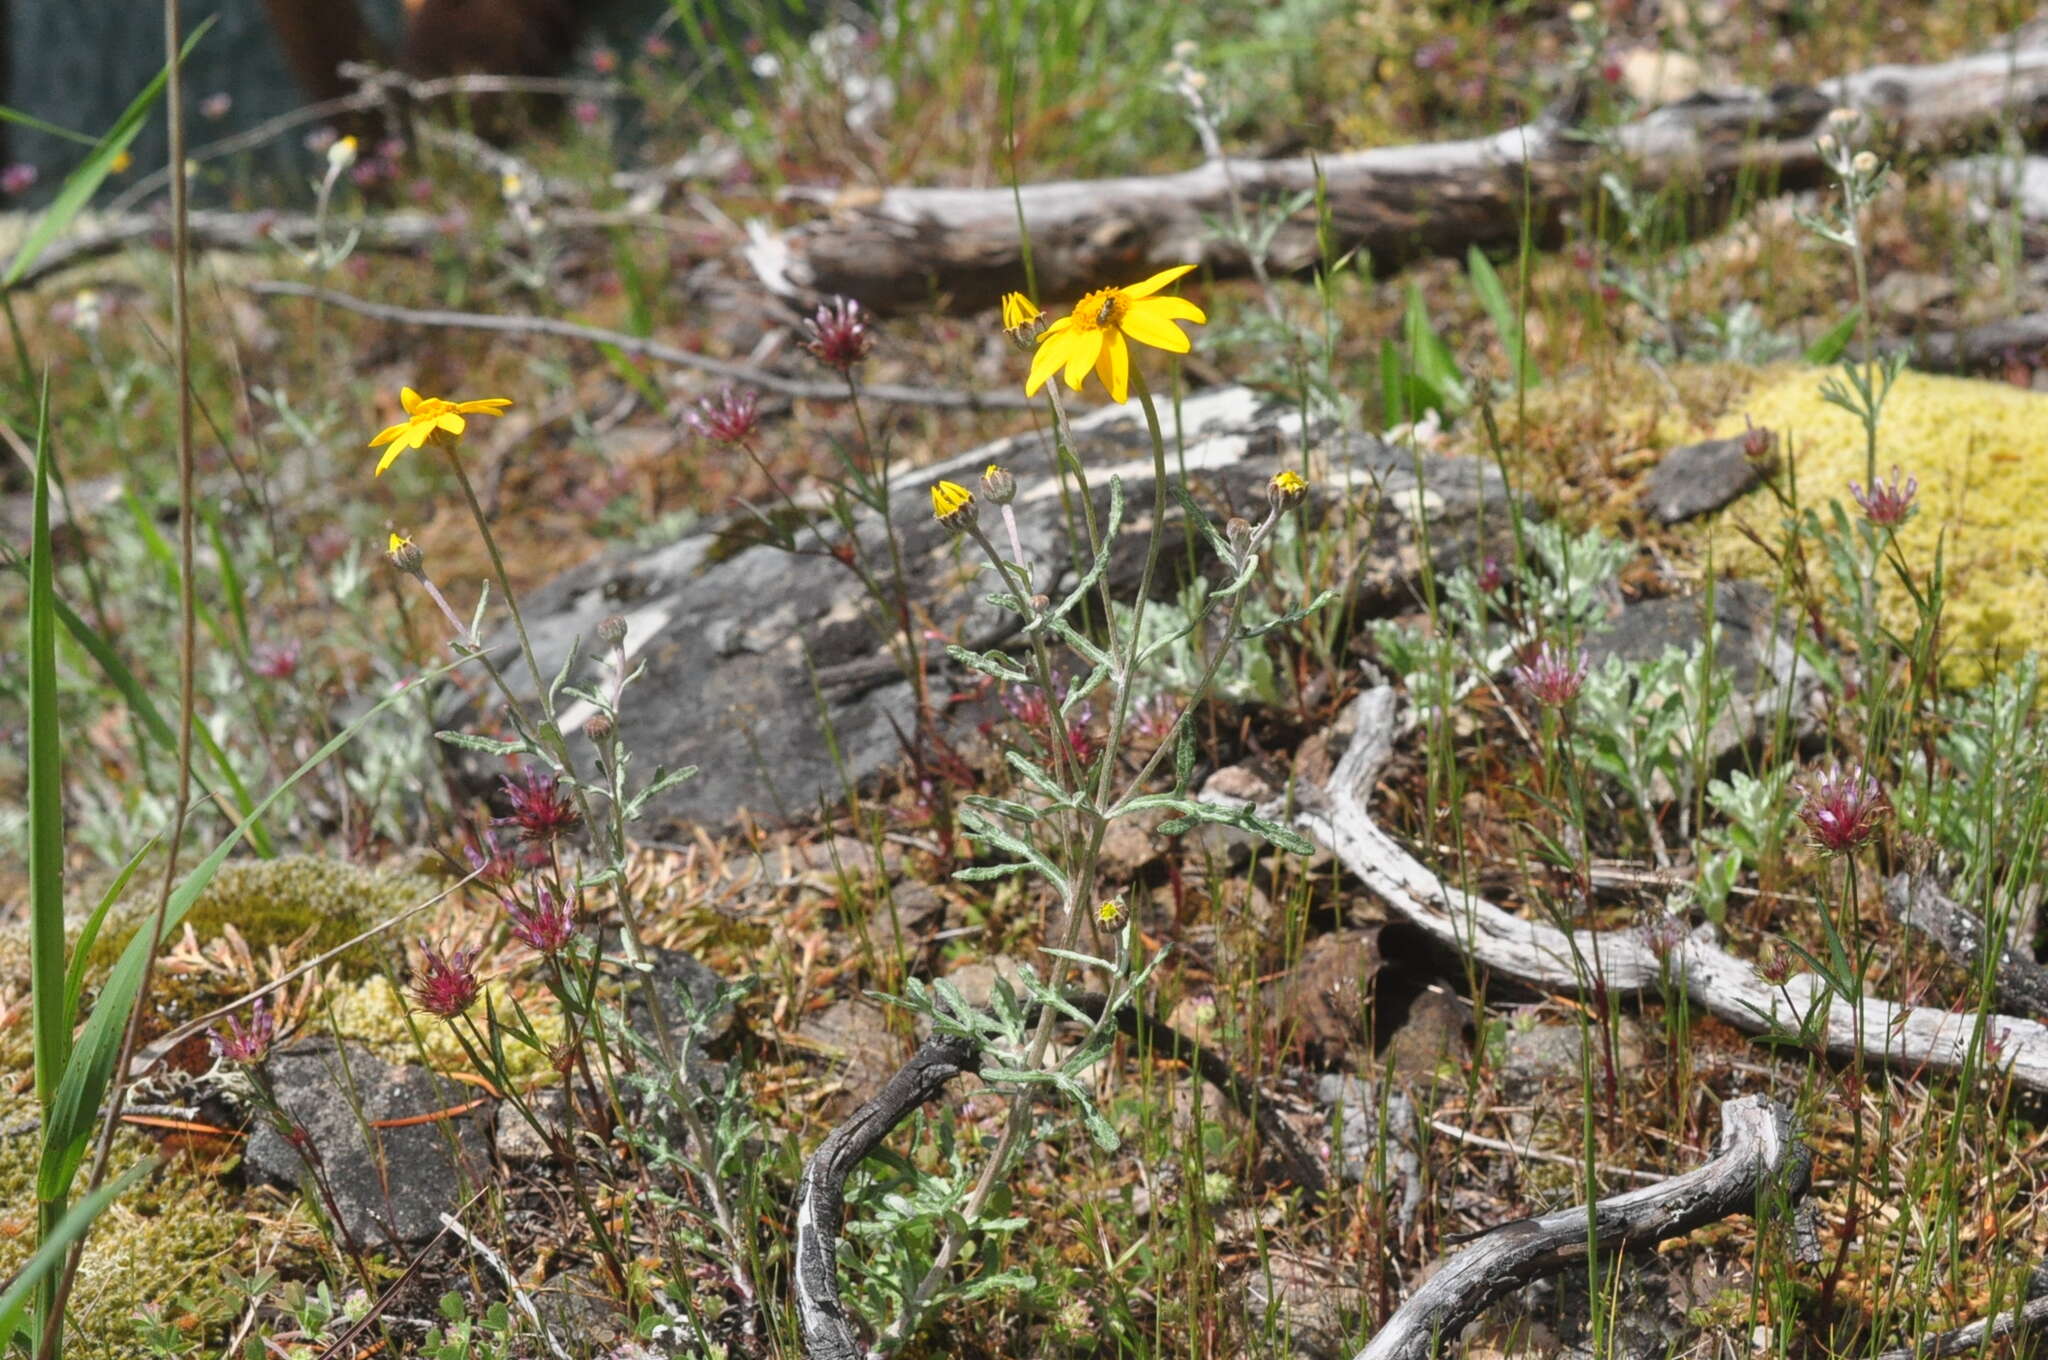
column 821, row 1193
column 1630, row 962
column 1916, row 900
column 1758, row 1152
column 915, row 246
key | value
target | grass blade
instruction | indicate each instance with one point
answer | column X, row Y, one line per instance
column 81, row 184
column 68, row 1123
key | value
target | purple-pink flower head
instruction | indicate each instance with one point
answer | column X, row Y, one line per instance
column 541, row 807
column 249, row 1046
column 545, row 927
column 444, row 984
column 840, row 334
column 731, row 417
column 1842, row 808
column 277, row 662
column 1552, row 676
column 496, row 867
column 1887, row 504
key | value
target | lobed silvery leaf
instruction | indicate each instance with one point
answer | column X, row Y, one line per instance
column 471, row 741
column 1292, row 615
column 1002, row 807
column 992, row 662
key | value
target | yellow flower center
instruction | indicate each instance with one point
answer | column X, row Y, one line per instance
column 1102, row 309
column 429, row 409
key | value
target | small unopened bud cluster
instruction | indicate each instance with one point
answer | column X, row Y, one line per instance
column 1860, row 169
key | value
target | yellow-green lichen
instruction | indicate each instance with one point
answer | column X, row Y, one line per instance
column 377, row 1014
column 1980, row 453
column 315, row 903
column 163, row 1242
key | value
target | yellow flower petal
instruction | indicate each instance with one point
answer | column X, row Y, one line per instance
column 1173, row 309
column 390, row 457
column 1114, row 366
column 449, row 421
column 409, row 399
column 1149, row 328
column 484, row 406
column 1156, row 282
column 1081, row 354
column 389, row 433
column 1046, row 362
column 397, row 543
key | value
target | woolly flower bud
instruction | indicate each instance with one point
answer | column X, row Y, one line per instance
column 611, row 630
column 1826, row 145
column 1582, row 13
column 998, row 487
column 1844, row 119
column 341, row 154
column 405, row 554
column 1286, row 490
column 599, row 728
column 953, row 505
column 1238, row 533
column 1865, row 163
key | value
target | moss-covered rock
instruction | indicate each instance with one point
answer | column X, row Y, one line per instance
column 298, row 898
column 1980, row 453
column 163, row 1241
column 380, row 1017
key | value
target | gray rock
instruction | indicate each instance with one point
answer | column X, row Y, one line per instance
column 390, row 1185
column 1370, row 1133
column 747, row 647
column 519, row 1142
column 1698, row 479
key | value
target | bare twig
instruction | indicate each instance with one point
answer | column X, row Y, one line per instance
column 1634, row 961
column 1759, row 1152
column 820, row 1208
column 1963, row 1340
column 651, row 349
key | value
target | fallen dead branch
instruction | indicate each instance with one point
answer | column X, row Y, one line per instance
column 1911, row 1038
column 393, row 231
column 1964, row 1340
column 821, row 1193
column 914, row 246
column 1758, row 1153
column 762, row 378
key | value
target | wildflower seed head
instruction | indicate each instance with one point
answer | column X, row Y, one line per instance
column 1775, row 964
column 840, row 334
column 1022, row 321
column 1842, row 808
column 444, row 984
column 1110, row 913
column 547, row 926
column 405, row 554
column 1888, row 504
column 998, row 487
column 953, row 505
column 246, row 1046
column 541, row 808
column 732, row 417
column 495, row 866
column 1552, row 676
column 1757, row 443
column 277, row 662
column 611, row 630
column 1286, row 490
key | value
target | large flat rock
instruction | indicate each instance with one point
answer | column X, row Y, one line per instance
column 764, row 672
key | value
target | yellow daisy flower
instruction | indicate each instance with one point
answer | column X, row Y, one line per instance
column 1018, row 310
column 430, row 420
column 952, row 504
column 1094, row 334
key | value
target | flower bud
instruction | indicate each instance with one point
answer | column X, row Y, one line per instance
column 953, row 505
column 1022, row 321
column 1826, row 145
column 611, row 630
column 1286, row 490
column 1865, row 164
column 1238, row 533
column 405, row 554
column 1844, row 119
column 998, row 486
column 341, row 154
column 1582, row 13
column 599, row 728
column 1110, row 913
